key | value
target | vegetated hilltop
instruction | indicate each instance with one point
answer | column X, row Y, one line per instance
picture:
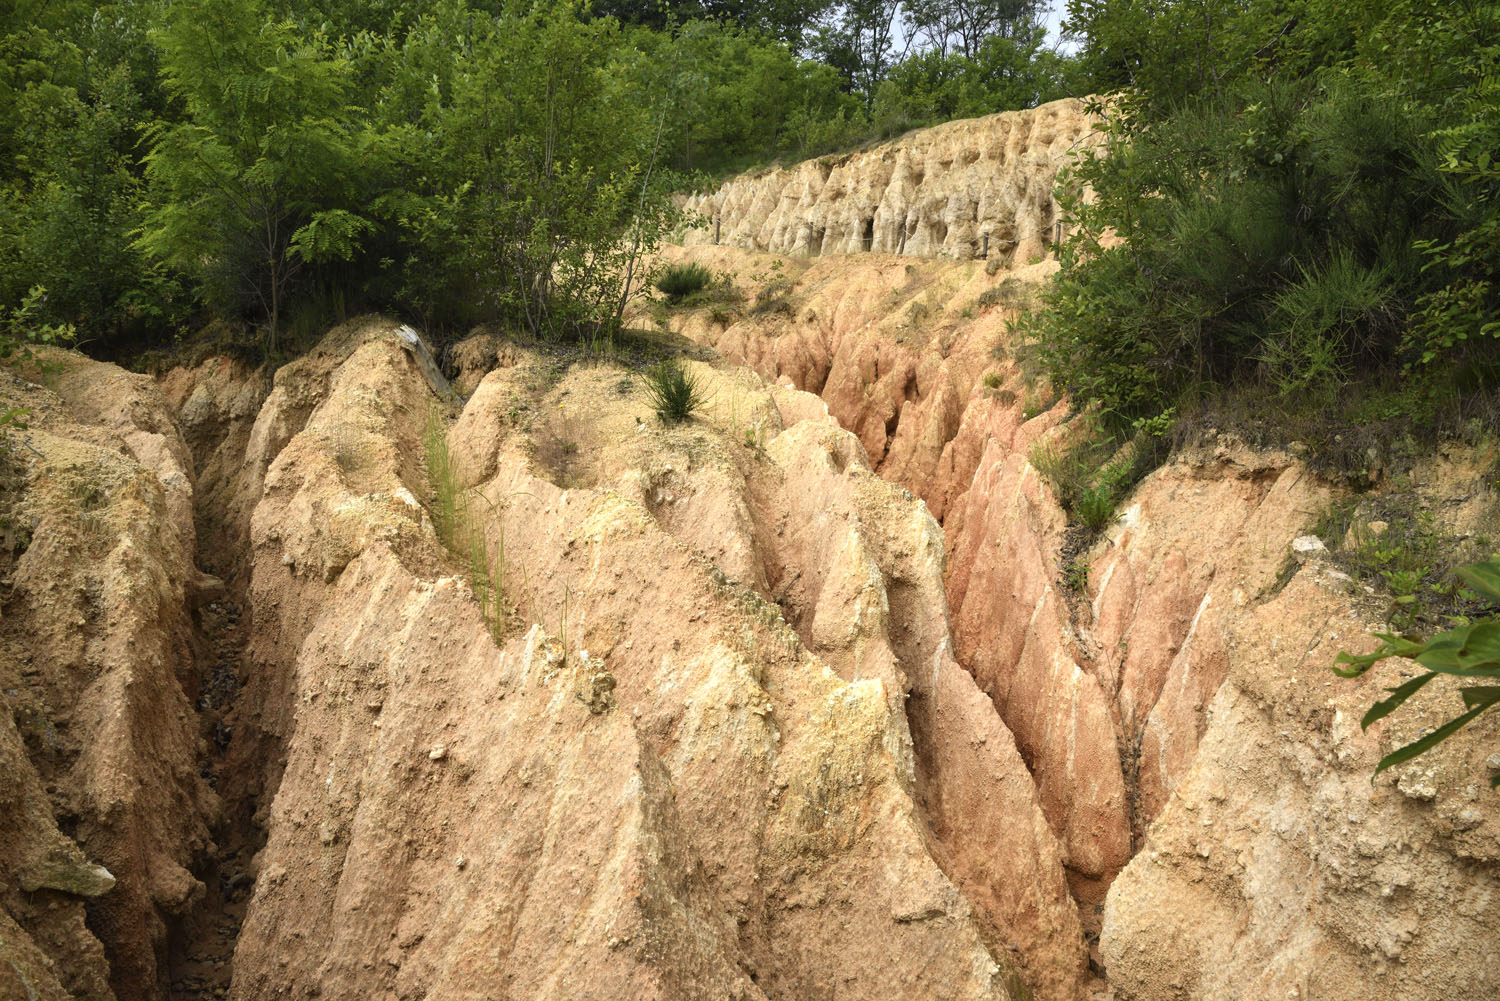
column 280, row 166
column 935, row 656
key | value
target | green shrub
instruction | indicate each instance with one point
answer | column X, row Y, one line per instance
column 675, row 394
column 1279, row 249
column 22, row 326
column 1075, row 575
column 1394, row 544
column 1092, row 473
column 680, row 280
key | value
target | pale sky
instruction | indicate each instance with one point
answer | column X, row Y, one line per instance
column 1053, row 19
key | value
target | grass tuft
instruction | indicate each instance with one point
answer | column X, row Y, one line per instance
column 461, row 527
column 681, row 280
column 675, row 394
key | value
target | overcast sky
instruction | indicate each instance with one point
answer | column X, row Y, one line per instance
column 1054, row 18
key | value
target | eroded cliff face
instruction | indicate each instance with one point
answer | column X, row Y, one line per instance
column 722, row 750
column 900, row 352
column 789, row 701
column 103, row 814
column 1166, row 710
column 963, row 189
column 1278, row 869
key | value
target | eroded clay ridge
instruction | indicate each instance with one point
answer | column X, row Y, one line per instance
column 103, row 814
column 976, row 187
column 729, row 742
column 720, row 750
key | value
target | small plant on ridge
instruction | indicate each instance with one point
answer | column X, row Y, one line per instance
column 675, row 394
column 1469, row 651
column 681, row 280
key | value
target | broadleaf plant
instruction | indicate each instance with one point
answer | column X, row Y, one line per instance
column 1469, row 650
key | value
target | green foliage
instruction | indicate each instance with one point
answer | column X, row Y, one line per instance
column 675, row 394
column 740, row 97
column 537, row 143
column 1095, row 506
column 679, row 280
column 1093, row 471
column 1002, row 74
column 77, row 85
column 1278, row 249
column 1393, row 543
column 454, row 161
column 1458, row 320
column 1075, row 575
column 1306, row 201
column 257, row 181
column 1470, row 650
column 23, row 326
column 20, row 328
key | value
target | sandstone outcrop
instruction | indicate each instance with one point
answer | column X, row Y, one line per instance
column 913, row 357
column 102, row 811
column 981, row 186
column 792, row 700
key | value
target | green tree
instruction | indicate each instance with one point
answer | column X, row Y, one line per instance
column 860, row 43
column 528, row 164
column 77, row 84
column 258, row 181
column 1283, row 200
column 735, row 93
column 1006, row 74
column 963, row 26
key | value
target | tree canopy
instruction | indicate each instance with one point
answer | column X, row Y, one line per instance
column 277, row 162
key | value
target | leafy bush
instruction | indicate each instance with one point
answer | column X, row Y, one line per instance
column 1470, row 650
column 1301, row 213
column 680, row 280
column 22, row 326
column 675, row 394
column 1279, row 250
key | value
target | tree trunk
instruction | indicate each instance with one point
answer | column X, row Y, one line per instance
column 275, row 302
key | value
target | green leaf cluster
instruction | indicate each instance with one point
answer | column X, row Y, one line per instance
column 258, row 179
column 1470, row 650
column 277, row 164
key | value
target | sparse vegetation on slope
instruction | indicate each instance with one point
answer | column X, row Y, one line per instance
column 461, row 523
column 675, row 393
